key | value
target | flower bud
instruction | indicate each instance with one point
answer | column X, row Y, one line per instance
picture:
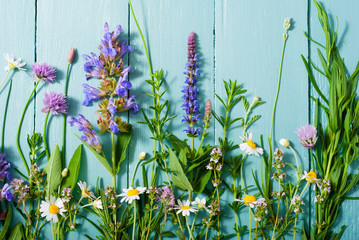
column 142, row 155
column 71, row 55
column 284, row 142
column 256, row 99
column 65, row 172
column 286, row 24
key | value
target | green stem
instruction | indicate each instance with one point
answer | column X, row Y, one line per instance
column 194, row 220
column 206, row 233
column 242, row 181
column 113, row 158
column 45, row 137
column 296, row 160
column 4, row 119
column 134, row 220
column 277, row 216
column 201, row 142
column 304, row 189
column 295, row 225
column 8, row 71
column 237, row 228
column 19, row 129
column 134, row 172
column 64, row 116
column 250, row 225
column 189, row 230
column 278, row 86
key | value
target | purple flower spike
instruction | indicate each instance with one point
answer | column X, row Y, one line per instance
column 113, row 126
column 44, row 72
column 91, row 94
column 5, row 192
column 190, row 91
column 307, row 136
column 56, row 103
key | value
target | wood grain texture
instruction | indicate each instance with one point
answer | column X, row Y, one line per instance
column 236, row 40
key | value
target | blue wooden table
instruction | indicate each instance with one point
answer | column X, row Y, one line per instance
column 237, row 39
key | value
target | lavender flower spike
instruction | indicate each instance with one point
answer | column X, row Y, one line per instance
column 56, row 103
column 43, row 72
column 190, row 91
column 307, row 136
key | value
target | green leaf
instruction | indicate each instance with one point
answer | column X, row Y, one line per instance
column 6, row 224
column 53, row 170
column 123, row 141
column 17, row 233
column 179, row 178
column 74, row 168
column 99, row 157
column 202, row 182
column 176, row 143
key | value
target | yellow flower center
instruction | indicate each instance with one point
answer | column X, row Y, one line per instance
column 86, row 193
column 185, row 207
column 311, row 177
column 132, row 192
column 251, row 144
column 53, row 209
column 249, row 199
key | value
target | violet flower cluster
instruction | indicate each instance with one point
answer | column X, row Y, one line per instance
column 166, row 197
column 43, row 72
column 56, row 103
column 89, row 135
column 109, row 67
column 5, row 192
column 190, row 91
column 307, row 136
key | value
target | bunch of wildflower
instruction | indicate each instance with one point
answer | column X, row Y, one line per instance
column 166, row 197
column 109, row 67
column 278, row 194
column 190, row 91
column 35, row 175
column 278, row 165
column 325, row 188
column 214, row 163
column 296, row 203
column 111, row 197
column 89, row 135
column 4, row 168
column 21, row 190
column 261, row 210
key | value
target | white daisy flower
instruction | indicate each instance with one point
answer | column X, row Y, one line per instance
column 51, row 208
column 311, row 177
column 97, row 203
column 248, row 200
column 184, row 207
column 201, row 203
column 13, row 64
column 85, row 190
column 132, row 194
column 249, row 146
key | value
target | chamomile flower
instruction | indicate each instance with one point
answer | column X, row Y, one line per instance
column 50, row 208
column 311, row 177
column 249, row 146
column 13, row 64
column 97, row 203
column 132, row 194
column 201, row 203
column 184, row 207
column 85, row 190
column 248, row 200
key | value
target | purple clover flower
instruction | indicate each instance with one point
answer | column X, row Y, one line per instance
column 54, row 102
column 307, row 136
column 190, row 91
column 44, row 72
column 5, row 192
column 91, row 94
column 90, row 136
column 166, row 197
column 4, row 166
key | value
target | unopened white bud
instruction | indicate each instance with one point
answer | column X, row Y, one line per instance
column 284, row 142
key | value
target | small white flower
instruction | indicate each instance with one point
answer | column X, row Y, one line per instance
column 284, row 142
column 13, row 64
column 201, row 203
column 184, row 207
column 249, row 146
column 131, row 194
column 248, row 200
column 286, row 24
column 311, row 177
column 51, row 208
column 97, row 203
column 209, row 167
column 85, row 190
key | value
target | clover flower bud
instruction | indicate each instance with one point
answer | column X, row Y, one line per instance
column 142, row 155
column 284, row 142
column 71, row 55
column 65, row 172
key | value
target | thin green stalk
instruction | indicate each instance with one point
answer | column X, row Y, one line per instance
column 4, row 119
column 134, row 220
column 277, row 216
column 206, row 233
column 201, row 142
column 134, row 172
column 194, row 220
column 295, row 225
column 189, row 230
column 113, row 158
column 250, row 224
column 64, row 116
column 8, row 71
column 19, row 129
column 304, row 189
column 45, row 137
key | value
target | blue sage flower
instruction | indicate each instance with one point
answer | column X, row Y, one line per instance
column 91, row 94
column 5, row 192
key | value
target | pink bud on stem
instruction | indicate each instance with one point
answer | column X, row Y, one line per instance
column 71, row 55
